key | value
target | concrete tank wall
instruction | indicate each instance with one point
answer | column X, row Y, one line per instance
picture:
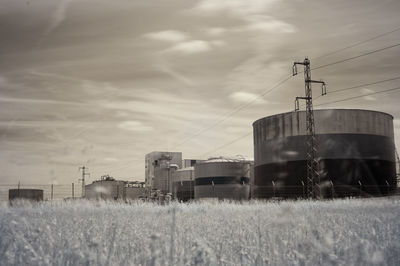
column 222, row 180
column 354, row 147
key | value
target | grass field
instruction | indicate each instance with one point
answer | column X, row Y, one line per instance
column 344, row 232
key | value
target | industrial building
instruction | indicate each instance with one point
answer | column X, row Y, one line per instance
column 110, row 189
column 183, row 184
column 159, row 168
column 223, row 178
column 25, row 194
column 355, row 150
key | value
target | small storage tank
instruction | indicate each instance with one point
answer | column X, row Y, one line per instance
column 355, row 148
column 26, row 194
column 223, row 178
column 106, row 189
column 183, row 184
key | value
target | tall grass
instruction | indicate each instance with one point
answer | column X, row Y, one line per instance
column 344, row 232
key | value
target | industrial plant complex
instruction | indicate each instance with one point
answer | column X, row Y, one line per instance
column 311, row 154
column 355, row 154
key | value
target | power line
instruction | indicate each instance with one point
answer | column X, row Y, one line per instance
column 241, row 107
column 341, row 100
column 227, row 144
column 357, row 86
column 359, row 96
column 356, row 44
column 364, row 85
column 280, row 83
column 355, row 57
column 236, row 110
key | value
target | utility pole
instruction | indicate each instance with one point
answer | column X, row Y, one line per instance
column 397, row 167
column 313, row 176
column 52, row 189
column 83, row 168
column 73, row 192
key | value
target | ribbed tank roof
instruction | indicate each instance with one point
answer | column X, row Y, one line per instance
column 225, row 159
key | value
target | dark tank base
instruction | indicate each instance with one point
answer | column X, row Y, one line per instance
column 339, row 178
column 183, row 191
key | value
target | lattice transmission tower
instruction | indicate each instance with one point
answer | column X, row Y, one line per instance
column 313, row 176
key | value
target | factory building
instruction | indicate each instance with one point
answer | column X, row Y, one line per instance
column 355, row 149
column 223, row 178
column 25, row 194
column 159, row 168
column 183, row 184
column 110, row 189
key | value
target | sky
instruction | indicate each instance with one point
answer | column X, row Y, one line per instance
column 102, row 83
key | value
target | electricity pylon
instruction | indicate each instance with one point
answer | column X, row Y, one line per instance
column 313, row 176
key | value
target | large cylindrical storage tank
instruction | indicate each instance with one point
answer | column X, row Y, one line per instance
column 355, row 149
column 26, row 194
column 223, row 178
column 183, row 184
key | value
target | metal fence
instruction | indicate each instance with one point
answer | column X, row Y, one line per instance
column 63, row 191
column 50, row 191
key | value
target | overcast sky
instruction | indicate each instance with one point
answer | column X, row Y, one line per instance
column 101, row 83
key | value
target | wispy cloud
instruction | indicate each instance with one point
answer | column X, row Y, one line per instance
column 191, row 47
column 244, row 97
column 167, row 35
column 134, row 126
column 218, row 43
column 58, row 16
column 216, row 31
column 233, row 7
column 176, row 75
column 267, row 24
column 39, row 101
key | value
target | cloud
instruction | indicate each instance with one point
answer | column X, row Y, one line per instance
column 191, row 47
column 241, row 96
column 233, row 7
column 38, row 101
column 216, row 31
column 369, row 98
column 58, row 16
column 268, row 24
column 134, row 126
column 367, row 91
column 41, row 124
column 218, row 43
column 167, row 35
column 176, row 75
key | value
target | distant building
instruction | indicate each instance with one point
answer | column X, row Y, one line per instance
column 110, row 189
column 159, row 167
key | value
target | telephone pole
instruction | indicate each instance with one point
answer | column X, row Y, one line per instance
column 313, row 177
column 83, row 168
